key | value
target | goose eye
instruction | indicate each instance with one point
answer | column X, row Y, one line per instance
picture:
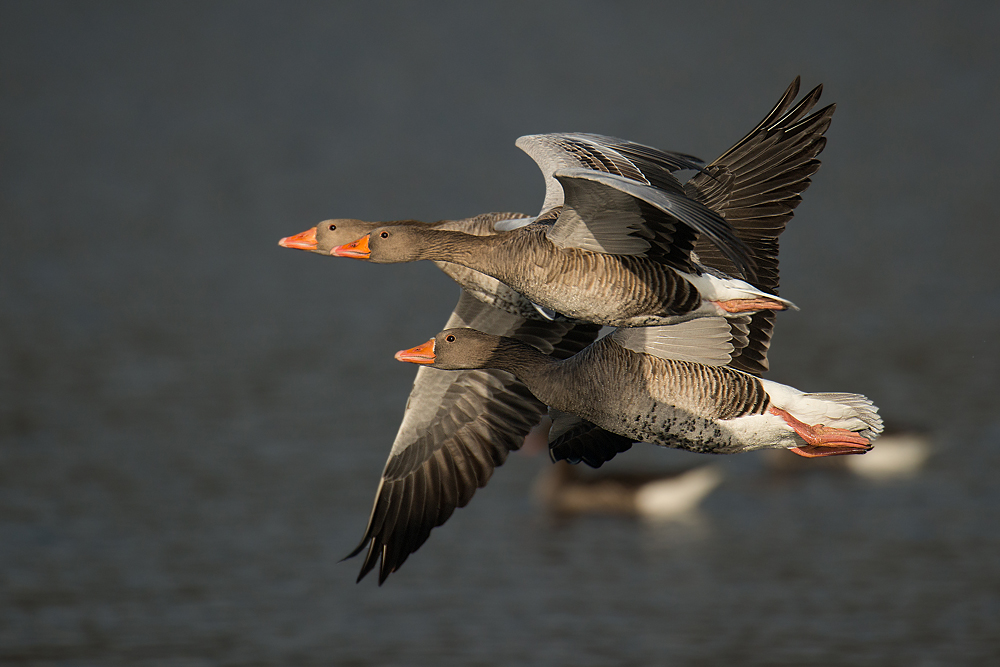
column 333, row 227
column 384, row 235
column 450, row 338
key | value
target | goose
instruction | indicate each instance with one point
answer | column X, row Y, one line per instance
column 899, row 454
column 591, row 151
column 622, row 252
column 668, row 386
column 714, row 408
column 563, row 490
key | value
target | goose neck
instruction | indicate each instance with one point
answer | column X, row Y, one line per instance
column 455, row 247
column 532, row 367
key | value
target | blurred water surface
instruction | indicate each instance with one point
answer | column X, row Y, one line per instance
column 193, row 420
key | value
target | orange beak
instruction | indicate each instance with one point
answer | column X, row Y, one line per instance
column 304, row 241
column 421, row 354
column 355, row 249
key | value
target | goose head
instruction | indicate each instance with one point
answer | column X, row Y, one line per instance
column 454, row 349
column 391, row 244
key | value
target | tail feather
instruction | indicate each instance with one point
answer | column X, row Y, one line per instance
column 853, row 412
column 858, row 408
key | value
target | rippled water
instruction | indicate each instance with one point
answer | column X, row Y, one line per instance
column 194, row 420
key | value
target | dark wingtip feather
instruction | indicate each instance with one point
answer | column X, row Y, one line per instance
column 371, row 558
column 757, row 184
column 357, row 550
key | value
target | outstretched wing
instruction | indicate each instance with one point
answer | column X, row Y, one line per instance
column 755, row 186
column 595, row 152
column 608, row 213
column 458, row 426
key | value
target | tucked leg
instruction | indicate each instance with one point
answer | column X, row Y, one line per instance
column 823, row 440
column 750, row 305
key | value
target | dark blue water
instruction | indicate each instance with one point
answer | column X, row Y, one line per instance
column 193, row 421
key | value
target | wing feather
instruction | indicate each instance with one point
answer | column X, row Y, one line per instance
column 604, row 212
column 457, row 428
column 756, row 186
column 595, row 152
column 705, row 340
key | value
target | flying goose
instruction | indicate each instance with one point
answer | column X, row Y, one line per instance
column 562, row 489
column 668, row 386
column 619, row 251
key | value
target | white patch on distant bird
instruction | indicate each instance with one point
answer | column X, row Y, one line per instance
column 893, row 456
column 673, row 496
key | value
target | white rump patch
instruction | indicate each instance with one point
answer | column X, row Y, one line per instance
column 678, row 495
column 853, row 412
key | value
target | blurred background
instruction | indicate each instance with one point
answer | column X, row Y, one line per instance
column 193, row 420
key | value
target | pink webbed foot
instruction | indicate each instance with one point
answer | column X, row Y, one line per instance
column 750, row 305
column 823, row 440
